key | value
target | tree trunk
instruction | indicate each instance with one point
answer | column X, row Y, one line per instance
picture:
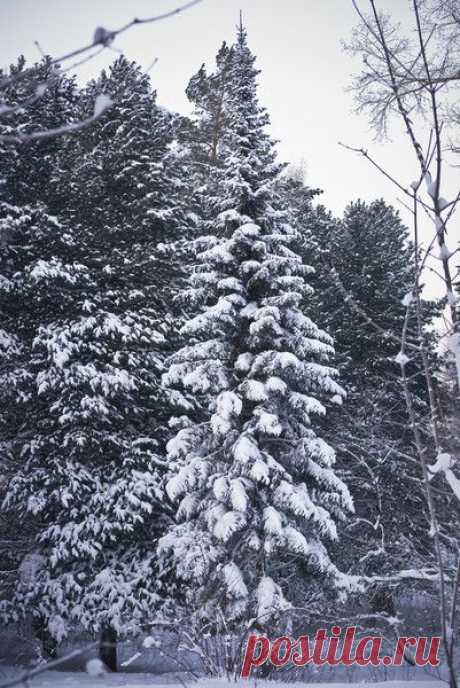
column 48, row 643
column 382, row 601
column 108, row 648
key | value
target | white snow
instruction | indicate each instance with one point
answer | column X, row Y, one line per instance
column 443, row 204
column 102, row 102
column 75, row 679
column 260, row 472
column 276, row 384
column 234, row 580
column 266, row 593
column 238, row 496
column 149, row 642
column 454, row 346
column 407, row 300
column 444, row 464
column 132, row 659
column 228, row 525
column 452, row 300
column 95, row 668
column 220, row 488
column 41, row 90
column 250, row 229
column 286, row 360
column 430, row 184
column 229, row 403
column 245, row 449
column 269, row 424
column 272, row 521
column 402, row 359
column 270, row 599
column 244, row 361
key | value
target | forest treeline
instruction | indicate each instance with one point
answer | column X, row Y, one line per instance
column 196, row 423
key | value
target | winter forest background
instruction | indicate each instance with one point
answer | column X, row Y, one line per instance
column 224, row 408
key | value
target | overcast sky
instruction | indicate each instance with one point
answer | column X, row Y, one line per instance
column 303, row 82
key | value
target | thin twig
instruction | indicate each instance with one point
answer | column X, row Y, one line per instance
column 104, row 40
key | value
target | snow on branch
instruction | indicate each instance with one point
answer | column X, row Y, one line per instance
column 36, row 96
column 406, row 574
column 444, row 464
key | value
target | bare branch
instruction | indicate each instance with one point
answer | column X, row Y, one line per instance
column 102, row 37
column 25, row 677
column 65, row 129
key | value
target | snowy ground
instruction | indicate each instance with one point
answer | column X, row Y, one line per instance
column 83, row 680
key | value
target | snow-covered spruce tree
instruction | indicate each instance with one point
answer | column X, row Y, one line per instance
column 46, row 101
column 94, row 312
column 30, row 239
column 256, row 489
column 11, row 385
column 373, row 258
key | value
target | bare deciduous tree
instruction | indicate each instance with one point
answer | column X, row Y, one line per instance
column 414, row 77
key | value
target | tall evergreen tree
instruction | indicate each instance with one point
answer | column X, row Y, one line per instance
column 44, row 101
column 22, row 230
column 258, row 493
column 373, row 259
column 92, row 308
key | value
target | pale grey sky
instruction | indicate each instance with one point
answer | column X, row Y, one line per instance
column 304, row 73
